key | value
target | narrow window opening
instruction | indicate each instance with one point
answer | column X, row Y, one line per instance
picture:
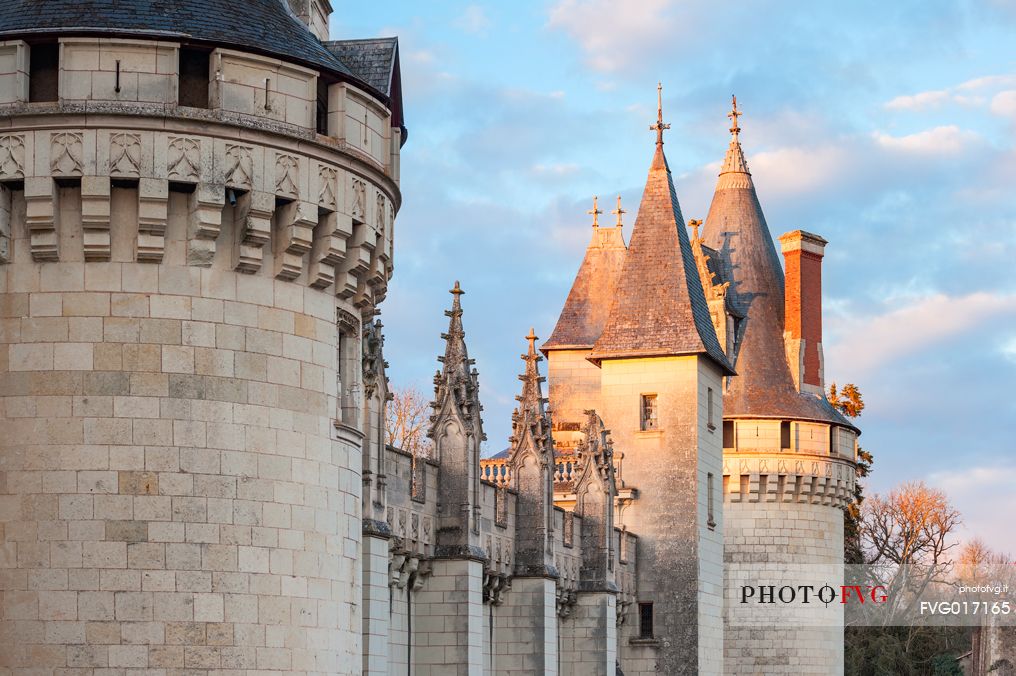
column 710, row 501
column 348, row 363
column 649, row 412
column 194, row 77
column 728, row 433
column 832, row 440
column 646, row 620
column 785, row 434
column 322, row 106
column 44, row 72
column 709, row 410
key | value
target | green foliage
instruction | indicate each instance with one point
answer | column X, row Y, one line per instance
column 850, row 403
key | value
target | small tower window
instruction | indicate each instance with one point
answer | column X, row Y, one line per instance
column 646, row 620
column 649, row 412
column 44, row 72
column 728, row 433
column 710, row 501
column 785, row 434
column 194, row 77
column 709, row 410
column 321, row 109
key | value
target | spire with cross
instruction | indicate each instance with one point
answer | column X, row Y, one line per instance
column 660, row 124
column 733, row 115
column 595, row 211
column 619, row 211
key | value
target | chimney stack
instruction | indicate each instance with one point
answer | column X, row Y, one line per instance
column 802, row 329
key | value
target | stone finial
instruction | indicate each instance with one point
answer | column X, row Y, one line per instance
column 734, row 173
column 660, row 125
column 733, row 115
column 619, row 211
column 595, row 212
column 694, row 224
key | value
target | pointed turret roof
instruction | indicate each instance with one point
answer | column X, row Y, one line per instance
column 659, row 308
column 592, row 292
column 736, row 229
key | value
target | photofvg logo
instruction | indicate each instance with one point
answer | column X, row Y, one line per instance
column 806, row 593
column 803, row 595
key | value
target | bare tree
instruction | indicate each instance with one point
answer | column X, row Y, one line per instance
column 406, row 420
column 906, row 538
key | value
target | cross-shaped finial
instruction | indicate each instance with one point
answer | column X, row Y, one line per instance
column 532, row 340
column 660, row 124
column 595, row 212
column 619, row 211
column 733, row 115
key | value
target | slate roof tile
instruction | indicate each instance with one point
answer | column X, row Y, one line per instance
column 264, row 26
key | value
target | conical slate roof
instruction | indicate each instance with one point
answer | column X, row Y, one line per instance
column 659, row 308
column 736, row 229
column 263, row 26
column 592, row 292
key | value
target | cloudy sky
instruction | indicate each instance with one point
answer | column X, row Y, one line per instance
column 885, row 127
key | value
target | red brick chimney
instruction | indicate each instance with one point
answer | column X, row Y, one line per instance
column 802, row 252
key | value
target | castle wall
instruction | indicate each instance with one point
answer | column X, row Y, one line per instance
column 770, row 538
column 574, row 385
column 172, row 472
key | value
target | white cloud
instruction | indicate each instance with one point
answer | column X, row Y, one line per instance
column 944, row 140
column 473, row 20
column 983, row 494
column 795, row 170
column 910, row 326
column 1004, row 103
column 920, row 100
column 966, row 93
column 614, row 33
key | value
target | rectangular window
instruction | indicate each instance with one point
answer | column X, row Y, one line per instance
column 710, row 498
column 645, row 620
column 709, row 410
column 44, row 72
column 649, row 412
column 728, row 433
column 321, row 109
column 348, row 362
column 785, row 434
column 194, row 77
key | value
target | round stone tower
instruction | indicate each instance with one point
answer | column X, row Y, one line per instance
column 788, row 455
column 196, row 210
